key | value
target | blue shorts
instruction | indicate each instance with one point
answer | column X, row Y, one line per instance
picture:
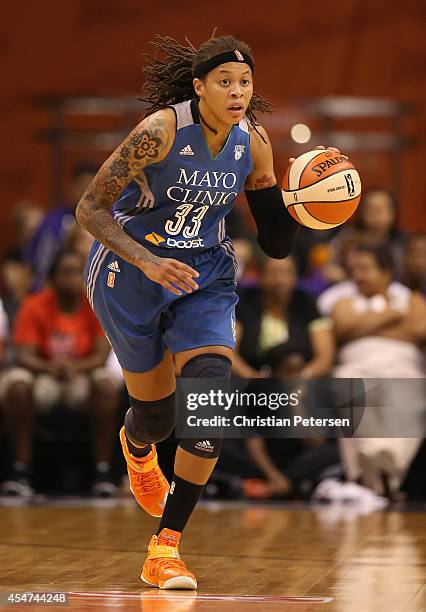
column 141, row 318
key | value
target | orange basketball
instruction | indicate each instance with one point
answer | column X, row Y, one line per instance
column 321, row 189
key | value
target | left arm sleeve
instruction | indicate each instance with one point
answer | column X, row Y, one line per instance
column 276, row 229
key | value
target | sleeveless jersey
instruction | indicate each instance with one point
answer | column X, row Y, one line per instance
column 179, row 205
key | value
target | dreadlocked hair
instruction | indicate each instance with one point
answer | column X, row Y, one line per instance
column 169, row 79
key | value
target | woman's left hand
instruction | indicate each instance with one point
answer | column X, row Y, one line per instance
column 319, row 148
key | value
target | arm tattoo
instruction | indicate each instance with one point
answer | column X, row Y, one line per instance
column 143, row 146
column 264, row 181
column 119, row 168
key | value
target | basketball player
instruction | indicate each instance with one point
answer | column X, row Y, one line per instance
column 161, row 273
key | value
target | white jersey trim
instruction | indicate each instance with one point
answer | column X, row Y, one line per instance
column 183, row 114
column 243, row 125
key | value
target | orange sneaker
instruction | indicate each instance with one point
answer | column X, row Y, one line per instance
column 163, row 567
column 147, row 482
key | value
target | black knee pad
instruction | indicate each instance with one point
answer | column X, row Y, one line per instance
column 207, row 448
column 208, row 365
column 150, row 422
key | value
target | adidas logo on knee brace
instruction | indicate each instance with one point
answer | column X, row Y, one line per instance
column 204, row 445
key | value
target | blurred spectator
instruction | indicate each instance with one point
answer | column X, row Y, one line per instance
column 51, row 236
column 414, row 263
column 291, row 466
column 264, row 466
column 245, row 253
column 322, row 271
column 16, row 274
column 61, row 353
column 348, row 287
column 380, row 330
column 375, row 224
column 306, row 241
column 79, row 240
column 277, row 313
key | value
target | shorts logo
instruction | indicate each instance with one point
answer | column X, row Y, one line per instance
column 154, row 238
column 204, row 446
column 114, row 266
column 111, row 279
column 240, row 56
column 238, row 151
column 233, row 328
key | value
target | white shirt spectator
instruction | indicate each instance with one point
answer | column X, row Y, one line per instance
column 398, row 295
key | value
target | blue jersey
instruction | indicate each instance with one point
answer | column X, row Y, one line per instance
column 179, row 205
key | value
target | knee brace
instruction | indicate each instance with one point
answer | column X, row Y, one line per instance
column 208, row 365
column 150, row 422
column 212, row 366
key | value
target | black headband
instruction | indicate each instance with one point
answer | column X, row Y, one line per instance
column 229, row 56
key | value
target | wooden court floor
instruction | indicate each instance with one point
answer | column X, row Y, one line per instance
column 251, row 558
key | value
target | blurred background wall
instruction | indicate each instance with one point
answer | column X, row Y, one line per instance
column 94, row 47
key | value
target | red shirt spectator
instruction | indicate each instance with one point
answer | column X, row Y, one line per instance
column 55, row 333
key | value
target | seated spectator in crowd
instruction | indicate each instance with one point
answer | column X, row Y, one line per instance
column 16, row 273
column 61, row 354
column 306, row 242
column 348, row 287
column 275, row 313
column 322, row 270
column 414, row 263
column 244, row 254
column 380, row 330
column 52, row 234
column 291, row 466
column 375, row 224
column 79, row 240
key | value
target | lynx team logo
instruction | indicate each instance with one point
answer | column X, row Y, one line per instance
column 238, row 151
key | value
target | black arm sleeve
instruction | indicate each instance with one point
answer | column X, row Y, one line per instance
column 276, row 228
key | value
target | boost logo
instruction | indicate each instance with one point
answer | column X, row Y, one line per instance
column 154, row 238
column 185, row 244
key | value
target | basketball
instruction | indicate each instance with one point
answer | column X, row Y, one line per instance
column 321, row 189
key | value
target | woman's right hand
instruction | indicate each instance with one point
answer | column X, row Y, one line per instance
column 174, row 275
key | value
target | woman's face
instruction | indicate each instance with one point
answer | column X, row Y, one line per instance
column 377, row 211
column 415, row 256
column 69, row 276
column 279, row 277
column 226, row 91
column 368, row 275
